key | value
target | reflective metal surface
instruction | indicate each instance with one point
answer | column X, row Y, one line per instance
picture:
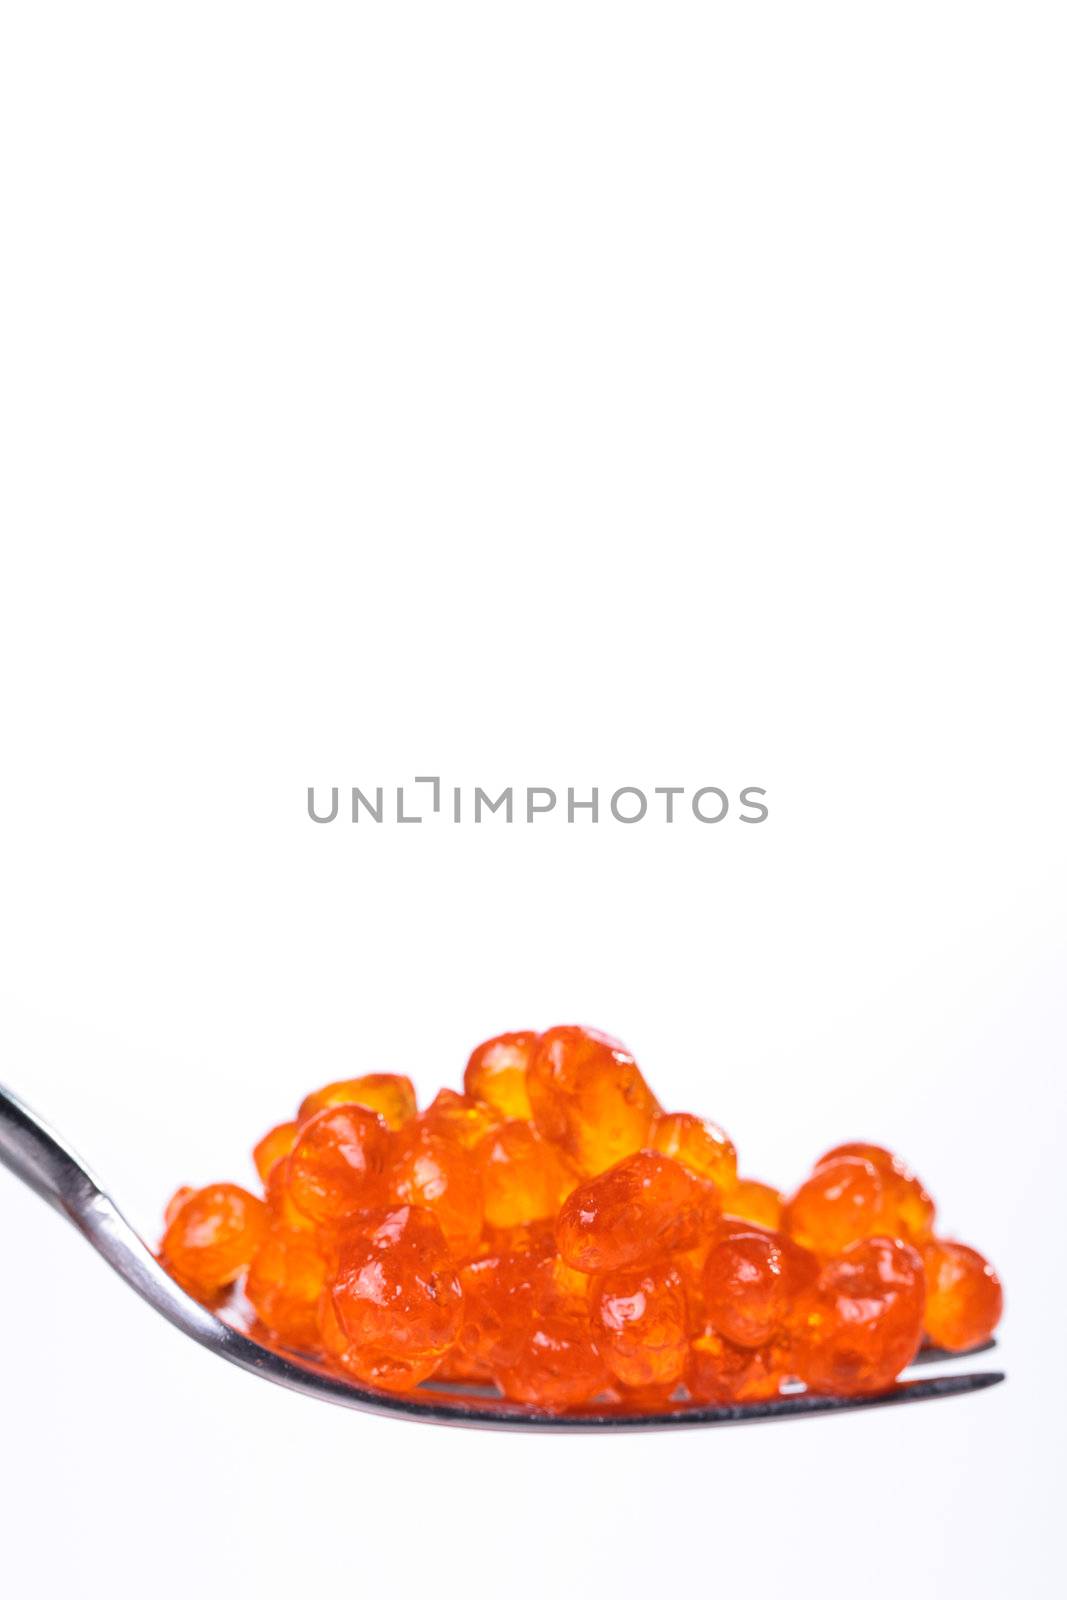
column 30, row 1150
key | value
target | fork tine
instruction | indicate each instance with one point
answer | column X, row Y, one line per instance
column 932, row 1353
column 469, row 1412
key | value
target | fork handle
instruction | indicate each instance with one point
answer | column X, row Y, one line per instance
column 30, row 1150
column 33, row 1152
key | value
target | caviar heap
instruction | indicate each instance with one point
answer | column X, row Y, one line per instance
column 551, row 1232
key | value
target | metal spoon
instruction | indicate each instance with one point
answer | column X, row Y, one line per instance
column 36, row 1155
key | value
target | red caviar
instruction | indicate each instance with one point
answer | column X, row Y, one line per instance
column 963, row 1295
column 588, row 1096
column 752, row 1282
column 524, row 1178
column 550, row 1231
column 756, row 1202
column 387, row 1093
column 336, row 1166
column 644, row 1207
column 640, row 1322
column 211, row 1237
column 496, row 1073
column 864, row 1322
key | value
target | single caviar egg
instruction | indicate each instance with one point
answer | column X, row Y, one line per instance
column 388, row 1093
column 964, row 1299
column 640, row 1323
column 751, row 1283
column 864, row 1318
column 274, row 1147
column 396, row 1298
column 336, row 1166
column 505, row 1292
column 442, row 1178
column 285, row 1282
column 563, row 1286
column 588, row 1096
column 213, row 1237
column 282, row 1212
column 841, row 1202
column 523, row 1176
column 501, row 1294
column 642, row 1208
column 175, row 1203
column 556, row 1365
column 496, row 1073
column 911, row 1207
column 719, row 1373
column 461, row 1118
column 755, row 1202
column 700, row 1146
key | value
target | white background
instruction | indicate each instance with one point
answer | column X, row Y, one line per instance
column 556, row 394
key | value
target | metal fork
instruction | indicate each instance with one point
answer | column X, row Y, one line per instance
column 30, row 1149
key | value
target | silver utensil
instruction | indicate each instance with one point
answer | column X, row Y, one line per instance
column 35, row 1154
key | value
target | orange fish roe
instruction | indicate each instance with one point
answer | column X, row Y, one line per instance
column 864, row 1321
column 752, row 1282
column 640, row 1324
column 175, row 1203
column 387, row 1093
column 461, row 1118
column 911, row 1208
column 506, row 1293
column 963, row 1295
column 396, row 1298
column 212, row 1237
column 440, row 1176
column 698, row 1145
column 588, row 1096
column 523, row 1177
column 550, row 1231
column 720, row 1373
column 644, row 1207
column 285, row 1282
column 283, row 1213
column 496, row 1073
column 557, row 1365
column 274, row 1147
column 842, row 1201
column 755, row 1202
column 335, row 1168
